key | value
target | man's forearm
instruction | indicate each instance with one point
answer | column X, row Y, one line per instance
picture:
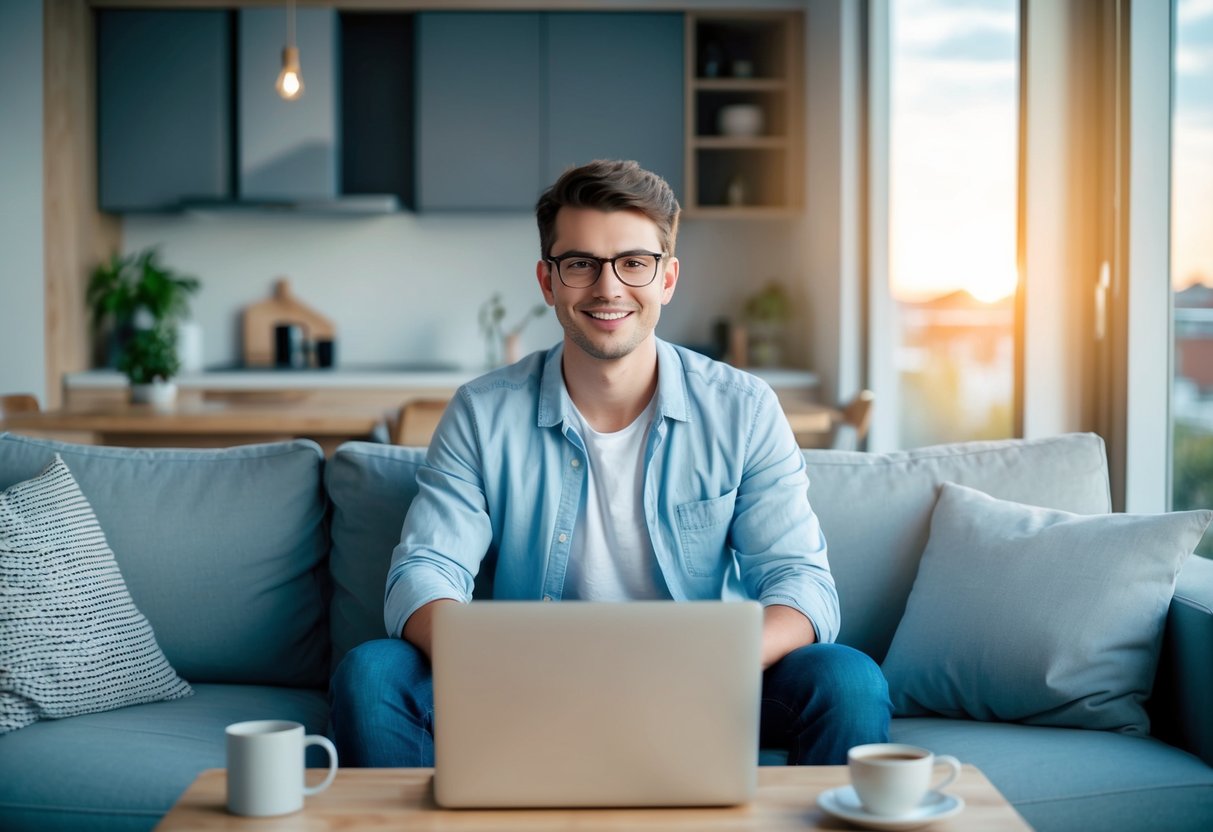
column 419, row 629
column 784, row 629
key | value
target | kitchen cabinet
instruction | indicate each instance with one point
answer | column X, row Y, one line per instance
column 507, row 101
column 377, row 103
column 288, row 149
column 188, row 114
column 443, row 110
column 478, row 110
column 163, row 107
column 615, row 91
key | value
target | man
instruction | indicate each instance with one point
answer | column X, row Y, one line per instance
column 616, row 467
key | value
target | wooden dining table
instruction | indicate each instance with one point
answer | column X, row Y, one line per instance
column 202, row 424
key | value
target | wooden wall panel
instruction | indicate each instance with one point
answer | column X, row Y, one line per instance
column 76, row 235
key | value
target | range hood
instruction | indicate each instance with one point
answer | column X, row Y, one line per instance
column 345, row 205
column 287, row 155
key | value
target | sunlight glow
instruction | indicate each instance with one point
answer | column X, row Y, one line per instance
column 953, row 149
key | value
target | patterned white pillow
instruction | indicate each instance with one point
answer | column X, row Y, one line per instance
column 71, row 639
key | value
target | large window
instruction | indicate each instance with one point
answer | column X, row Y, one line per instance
column 1192, row 258
column 953, row 105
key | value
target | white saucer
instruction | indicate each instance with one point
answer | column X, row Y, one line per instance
column 843, row 803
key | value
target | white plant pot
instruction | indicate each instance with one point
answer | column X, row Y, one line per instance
column 189, row 346
column 161, row 395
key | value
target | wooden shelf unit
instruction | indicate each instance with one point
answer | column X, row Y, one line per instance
column 744, row 176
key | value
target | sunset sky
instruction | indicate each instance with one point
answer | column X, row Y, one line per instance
column 1192, row 157
column 954, row 122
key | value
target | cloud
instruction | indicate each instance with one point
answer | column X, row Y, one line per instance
column 974, row 30
column 1191, row 11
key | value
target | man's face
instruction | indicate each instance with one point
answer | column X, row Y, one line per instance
column 609, row 319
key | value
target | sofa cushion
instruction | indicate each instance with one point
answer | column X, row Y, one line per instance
column 1063, row 779
column 222, row 550
column 1025, row 614
column 123, row 769
column 73, row 641
column 875, row 511
column 371, row 487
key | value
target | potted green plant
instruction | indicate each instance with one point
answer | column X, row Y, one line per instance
column 765, row 314
column 149, row 360
column 137, row 303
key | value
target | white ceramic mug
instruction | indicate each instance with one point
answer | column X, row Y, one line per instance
column 891, row 779
column 265, row 767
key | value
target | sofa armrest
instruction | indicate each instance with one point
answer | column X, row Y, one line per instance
column 1181, row 709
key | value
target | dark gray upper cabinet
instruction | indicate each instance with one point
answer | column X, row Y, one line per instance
column 615, row 91
column 506, row 102
column 288, row 149
column 478, row 110
column 377, row 135
column 163, row 108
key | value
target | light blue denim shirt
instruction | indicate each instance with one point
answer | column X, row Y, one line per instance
column 725, row 494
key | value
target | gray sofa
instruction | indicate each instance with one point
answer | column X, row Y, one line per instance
column 259, row 567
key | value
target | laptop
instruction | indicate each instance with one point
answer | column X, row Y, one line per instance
column 581, row 704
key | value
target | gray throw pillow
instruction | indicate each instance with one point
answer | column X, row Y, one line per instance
column 71, row 639
column 1032, row 615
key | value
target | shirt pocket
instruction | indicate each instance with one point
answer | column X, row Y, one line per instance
column 703, row 529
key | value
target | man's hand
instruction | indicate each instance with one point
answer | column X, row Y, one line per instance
column 784, row 629
column 419, row 629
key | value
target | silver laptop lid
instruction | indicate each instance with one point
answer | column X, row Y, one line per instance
column 590, row 704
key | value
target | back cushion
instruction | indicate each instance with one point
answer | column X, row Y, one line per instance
column 371, row 487
column 222, row 550
column 875, row 510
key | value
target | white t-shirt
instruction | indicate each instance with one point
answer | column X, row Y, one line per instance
column 611, row 557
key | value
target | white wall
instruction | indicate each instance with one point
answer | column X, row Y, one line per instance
column 407, row 287
column 22, row 300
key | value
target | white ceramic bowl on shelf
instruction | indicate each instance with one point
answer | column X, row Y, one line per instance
column 740, row 120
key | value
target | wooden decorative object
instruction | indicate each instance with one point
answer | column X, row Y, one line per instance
column 281, row 308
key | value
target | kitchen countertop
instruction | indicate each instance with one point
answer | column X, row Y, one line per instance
column 361, row 377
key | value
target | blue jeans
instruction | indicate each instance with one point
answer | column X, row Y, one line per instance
column 817, row 702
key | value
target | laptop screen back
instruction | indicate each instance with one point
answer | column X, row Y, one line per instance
column 589, row 704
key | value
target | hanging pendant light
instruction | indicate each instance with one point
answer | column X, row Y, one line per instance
column 290, row 80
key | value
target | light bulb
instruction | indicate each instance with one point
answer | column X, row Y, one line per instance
column 290, row 79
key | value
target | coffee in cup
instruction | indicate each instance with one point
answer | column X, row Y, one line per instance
column 891, row 779
column 265, row 767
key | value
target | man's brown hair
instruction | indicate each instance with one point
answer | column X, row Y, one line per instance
column 609, row 185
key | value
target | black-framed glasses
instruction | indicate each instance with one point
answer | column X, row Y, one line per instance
column 633, row 268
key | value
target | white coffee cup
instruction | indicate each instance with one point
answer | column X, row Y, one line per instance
column 891, row 779
column 265, row 767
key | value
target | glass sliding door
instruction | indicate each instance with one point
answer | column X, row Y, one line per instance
column 1192, row 259
column 953, row 168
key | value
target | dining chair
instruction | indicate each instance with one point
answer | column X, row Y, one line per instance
column 416, row 421
column 18, row 403
column 852, row 421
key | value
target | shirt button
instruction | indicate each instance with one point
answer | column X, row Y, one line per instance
column 563, row 538
column 576, row 463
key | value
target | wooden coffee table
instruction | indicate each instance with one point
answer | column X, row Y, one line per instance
column 402, row 798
